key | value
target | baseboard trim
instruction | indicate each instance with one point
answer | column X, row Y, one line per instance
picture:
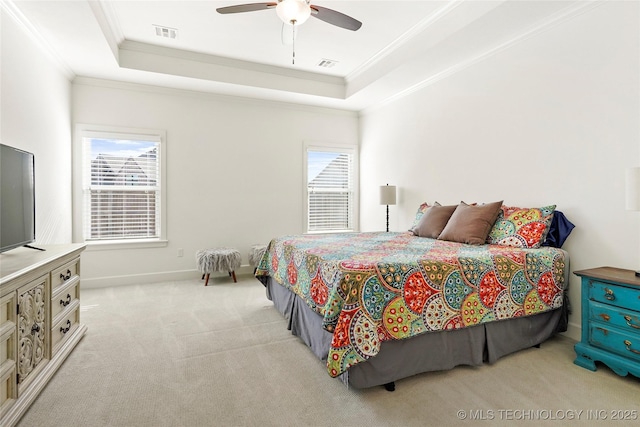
column 139, row 279
column 573, row 331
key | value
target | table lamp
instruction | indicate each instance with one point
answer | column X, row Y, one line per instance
column 388, row 197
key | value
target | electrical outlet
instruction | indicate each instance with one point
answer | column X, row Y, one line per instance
column 180, row 252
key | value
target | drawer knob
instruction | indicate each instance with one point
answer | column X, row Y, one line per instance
column 65, row 330
column 605, row 317
column 67, row 302
column 630, row 322
column 35, row 329
column 608, row 294
column 628, row 344
column 64, row 277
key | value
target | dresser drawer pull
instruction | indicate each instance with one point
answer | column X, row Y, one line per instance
column 65, row 330
column 608, row 294
column 605, row 316
column 628, row 344
column 68, row 301
column 65, row 277
column 630, row 322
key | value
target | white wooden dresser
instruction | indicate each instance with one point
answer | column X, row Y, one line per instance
column 39, row 321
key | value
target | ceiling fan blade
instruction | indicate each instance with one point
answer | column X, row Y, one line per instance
column 239, row 8
column 335, row 18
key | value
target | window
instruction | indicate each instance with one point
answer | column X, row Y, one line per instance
column 330, row 188
column 122, row 185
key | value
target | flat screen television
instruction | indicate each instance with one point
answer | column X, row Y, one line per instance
column 17, row 198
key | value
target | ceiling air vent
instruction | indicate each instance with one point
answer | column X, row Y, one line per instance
column 169, row 33
column 327, row 63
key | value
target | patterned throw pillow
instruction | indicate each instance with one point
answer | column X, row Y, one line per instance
column 521, row 227
column 421, row 210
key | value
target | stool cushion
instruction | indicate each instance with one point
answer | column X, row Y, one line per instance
column 256, row 254
column 218, row 259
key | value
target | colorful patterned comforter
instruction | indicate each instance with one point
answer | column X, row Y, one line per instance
column 374, row 287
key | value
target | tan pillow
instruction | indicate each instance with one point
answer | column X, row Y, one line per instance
column 433, row 221
column 471, row 224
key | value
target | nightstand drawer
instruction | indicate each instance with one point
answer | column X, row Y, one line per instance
column 626, row 344
column 619, row 296
column 627, row 320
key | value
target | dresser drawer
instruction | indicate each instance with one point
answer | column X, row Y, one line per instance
column 7, row 344
column 65, row 326
column 626, row 320
column 619, row 296
column 65, row 273
column 611, row 339
column 8, row 309
column 8, row 389
column 65, row 295
column 8, row 328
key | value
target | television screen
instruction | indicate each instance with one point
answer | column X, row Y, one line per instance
column 17, row 198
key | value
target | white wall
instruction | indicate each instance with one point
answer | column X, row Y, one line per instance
column 35, row 116
column 234, row 171
column 552, row 120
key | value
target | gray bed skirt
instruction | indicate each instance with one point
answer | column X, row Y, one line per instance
column 433, row 351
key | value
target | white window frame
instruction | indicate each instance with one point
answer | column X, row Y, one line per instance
column 112, row 132
column 352, row 149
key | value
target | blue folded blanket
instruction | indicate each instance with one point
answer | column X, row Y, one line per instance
column 560, row 229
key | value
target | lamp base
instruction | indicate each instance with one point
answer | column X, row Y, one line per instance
column 388, row 221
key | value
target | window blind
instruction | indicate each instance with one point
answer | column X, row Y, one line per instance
column 329, row 191
column 121, row 186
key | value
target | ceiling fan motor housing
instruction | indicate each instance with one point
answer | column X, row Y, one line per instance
column 293, row 12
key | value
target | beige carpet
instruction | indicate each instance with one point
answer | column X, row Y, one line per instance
column 181, row 354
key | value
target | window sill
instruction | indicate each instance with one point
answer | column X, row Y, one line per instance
column 108, row 245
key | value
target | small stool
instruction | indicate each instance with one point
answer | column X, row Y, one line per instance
column 218, row 259
column 256, row 254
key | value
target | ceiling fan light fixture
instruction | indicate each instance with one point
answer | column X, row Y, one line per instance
column 293, row 12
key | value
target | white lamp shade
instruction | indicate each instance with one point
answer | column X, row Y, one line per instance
column 633, row 189
column 293, row 11
column 388, row 195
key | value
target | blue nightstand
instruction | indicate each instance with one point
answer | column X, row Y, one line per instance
column 610, row 320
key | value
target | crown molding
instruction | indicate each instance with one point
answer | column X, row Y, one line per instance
column 420, row 27
column 9, row 7
column 107, row 18
column 577, row 8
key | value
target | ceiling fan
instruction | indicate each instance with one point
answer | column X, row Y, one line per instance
column 296, row 12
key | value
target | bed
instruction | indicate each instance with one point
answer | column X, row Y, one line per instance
column 382, row 306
